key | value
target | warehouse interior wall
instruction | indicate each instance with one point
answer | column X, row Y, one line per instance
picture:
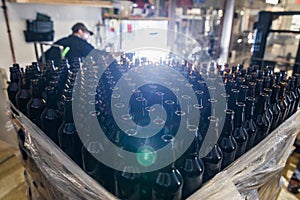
column 63, row 16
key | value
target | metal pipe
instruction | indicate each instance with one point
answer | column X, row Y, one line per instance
column 226, row 31
column 8, row 31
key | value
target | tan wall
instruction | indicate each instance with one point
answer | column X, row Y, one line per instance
column 63, row 16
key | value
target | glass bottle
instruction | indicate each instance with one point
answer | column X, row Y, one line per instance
column 168, row 181
column 50, row 120
column 23, row 95
column 262, row 120
column 291, row 94
column 284, row 106
column 251, row 89
column 242, row 94
column 233, row 98
column 249, row 123
column 191, row 166
column 49, row 71
column 259, row 87
column 89, row 162
column 268, row 91
column 36, row 104
column 297, row 91
column 14, row 85
column 275, row 107
column 127, row 181
column 68, row 138
column 239, row 132
column 227, row 142
column 213, row 159
column 267, row 81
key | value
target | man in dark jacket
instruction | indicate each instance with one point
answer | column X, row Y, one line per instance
column 74, row 46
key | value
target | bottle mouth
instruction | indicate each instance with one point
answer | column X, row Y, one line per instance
column 229, row 111
column 213, row 119
column 244, row 87
column 168, row 138
column 225, row 95
column 251, row 99
column 240, row 104
column 276, row 87
column 264, row 94
column 268, row 90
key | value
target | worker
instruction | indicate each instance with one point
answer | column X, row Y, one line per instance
column 73, row 46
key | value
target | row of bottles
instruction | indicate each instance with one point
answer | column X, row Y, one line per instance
column 257, row 102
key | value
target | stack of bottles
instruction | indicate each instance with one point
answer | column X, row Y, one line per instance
column 257, row 102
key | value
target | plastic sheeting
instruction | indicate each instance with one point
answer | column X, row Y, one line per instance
column 254, row 175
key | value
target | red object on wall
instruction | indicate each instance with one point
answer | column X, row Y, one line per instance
column 298, row 1
column 129, row 28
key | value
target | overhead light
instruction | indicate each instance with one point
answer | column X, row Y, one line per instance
column 274, row 2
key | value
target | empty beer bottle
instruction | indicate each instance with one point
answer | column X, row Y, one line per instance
column 213, row 159
column 191, row 166
column 268, row 91
column 13, row 85
column 249, row 123
column 291, row 94
column 36, row 104
column 68, row 138
column 284, row 106
column 127, row 181
column 297, row 91
column 275, row 107
column 50, row 120
column 262, row 120
column 89, row 162
column 227, row 142
column 23, row 95
column 239, row 132
column 168, row 181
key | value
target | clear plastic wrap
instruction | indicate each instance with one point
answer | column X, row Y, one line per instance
column 58, row 175
column 257, row 172
column 254, row 175
column 7, row 132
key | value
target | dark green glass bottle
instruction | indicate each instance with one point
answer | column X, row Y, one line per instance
column 168, row 182
column 36, row 104
column 227, row 142
column 50, row 120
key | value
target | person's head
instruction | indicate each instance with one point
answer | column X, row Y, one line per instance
column 80, row 30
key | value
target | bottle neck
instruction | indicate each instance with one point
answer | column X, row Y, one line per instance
column 14, row 77
column 266, row 83
column 239, row 114
column 243, row 94
column 262, row 103
column 233, row 98
column 251, row 89
column 250, row 106
column 282, row 92
column 68, row 114
column 36, row 92
column 228, row 125
column 24, row 82
column 275, row 94
column 51, row 98
column 259, row 87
